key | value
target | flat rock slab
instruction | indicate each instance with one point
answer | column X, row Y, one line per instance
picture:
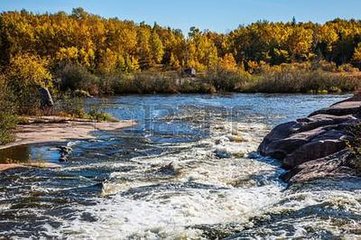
column 339, row 109
column 55, row 129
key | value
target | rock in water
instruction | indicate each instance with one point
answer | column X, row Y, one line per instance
column 168, row 169
column 222, row 153
column 312, row 147
column 64, row 151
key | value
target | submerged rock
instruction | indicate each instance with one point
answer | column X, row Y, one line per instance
column 315, row 146
column 222, row 153
column 168, row 169
column 236, row 138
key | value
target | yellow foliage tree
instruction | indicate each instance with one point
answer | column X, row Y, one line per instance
column 228, row 63
column 25, row 74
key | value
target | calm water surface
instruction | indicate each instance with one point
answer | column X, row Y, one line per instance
column 188, row 170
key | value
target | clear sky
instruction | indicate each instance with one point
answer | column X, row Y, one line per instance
column 216, row 15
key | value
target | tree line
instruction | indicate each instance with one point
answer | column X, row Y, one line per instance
column 111, row 45
column 84, row 54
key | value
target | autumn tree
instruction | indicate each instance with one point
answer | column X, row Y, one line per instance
column 24, row 75
column 156, row 48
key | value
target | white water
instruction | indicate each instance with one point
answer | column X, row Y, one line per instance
column 163, row 179
column 235, row 194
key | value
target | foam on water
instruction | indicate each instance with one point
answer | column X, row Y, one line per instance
column 192, row 173
column 201, row 190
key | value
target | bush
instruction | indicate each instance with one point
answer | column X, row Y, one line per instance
column 96, row 114
column 227, row 81
column 76, row 77
column 155, row 82
column 8, row 118
column 68, row 106
column 347, row 68
column 324, row 66
column 291, row 78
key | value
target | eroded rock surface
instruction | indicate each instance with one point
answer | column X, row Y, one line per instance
column 315, row 146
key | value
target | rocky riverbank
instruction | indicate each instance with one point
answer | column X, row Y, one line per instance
column 316, row 146
column 57, row 129
column 35, row 130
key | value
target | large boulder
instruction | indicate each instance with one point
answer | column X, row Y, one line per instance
column 319, row 120
column 334, row 166
column 313, row 139
column 315, row 149
column 46, row 100
column 280, row 132
column 288, row 137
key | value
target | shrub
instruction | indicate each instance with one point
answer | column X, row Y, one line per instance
column 68, row 106
column 227, row 81
column 324, row 66
column 76, row 77
column 296, row 78
column 155, row 82
column 25, row 74
column 8, row 118
column 96, row 114
column 347, row 68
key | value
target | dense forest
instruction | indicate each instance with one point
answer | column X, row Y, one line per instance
column 87, row 52
column 107, row 45
column 82, row 53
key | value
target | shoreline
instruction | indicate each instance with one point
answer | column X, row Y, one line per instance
column 57, row 129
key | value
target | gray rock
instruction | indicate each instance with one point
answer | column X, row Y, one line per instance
column 311, row 151
column 46, row 99
column 282, row 131
column 320, row 120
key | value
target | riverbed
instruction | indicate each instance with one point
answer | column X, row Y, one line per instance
column 189, row 169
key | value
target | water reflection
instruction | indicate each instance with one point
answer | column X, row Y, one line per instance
column 15, row 154
column 29, row 152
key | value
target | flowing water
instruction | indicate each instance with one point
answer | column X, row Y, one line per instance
column 188, row 170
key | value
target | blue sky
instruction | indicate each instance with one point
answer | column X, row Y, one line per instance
column 216, row 15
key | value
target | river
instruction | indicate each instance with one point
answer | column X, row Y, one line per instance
column 188, row 170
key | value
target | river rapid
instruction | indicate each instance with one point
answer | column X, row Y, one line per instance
column 188, row 170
